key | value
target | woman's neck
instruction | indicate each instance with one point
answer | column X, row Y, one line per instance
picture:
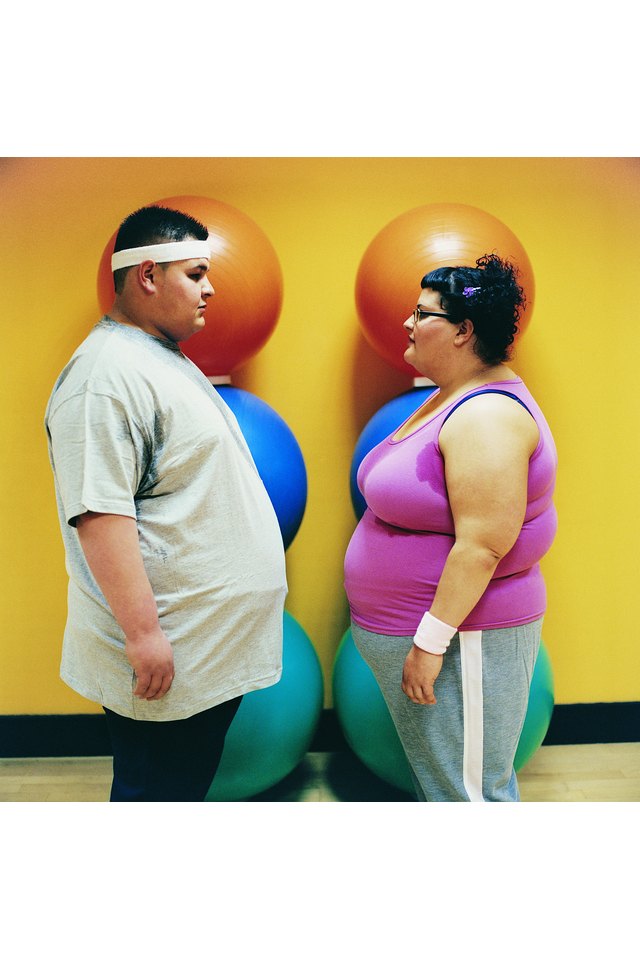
column 466, row 380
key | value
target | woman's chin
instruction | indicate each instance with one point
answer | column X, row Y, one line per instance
column 410, row 356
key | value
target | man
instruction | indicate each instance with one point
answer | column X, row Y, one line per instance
column 174, row 554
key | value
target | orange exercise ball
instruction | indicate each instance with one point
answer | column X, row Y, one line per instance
column 396, row 260
column 246, row 275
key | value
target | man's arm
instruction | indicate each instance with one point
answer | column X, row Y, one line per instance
column 111, row 547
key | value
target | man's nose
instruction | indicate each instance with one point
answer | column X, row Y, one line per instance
column 207, row 289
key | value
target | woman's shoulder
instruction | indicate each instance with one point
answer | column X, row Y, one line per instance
column 492, row 416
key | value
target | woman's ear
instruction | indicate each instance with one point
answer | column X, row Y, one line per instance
column 464, row 332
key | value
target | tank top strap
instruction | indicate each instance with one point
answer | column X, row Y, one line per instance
column 478, row 393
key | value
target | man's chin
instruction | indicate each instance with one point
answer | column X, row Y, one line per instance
column 197, row 327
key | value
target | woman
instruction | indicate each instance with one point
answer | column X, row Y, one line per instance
column 442, row 572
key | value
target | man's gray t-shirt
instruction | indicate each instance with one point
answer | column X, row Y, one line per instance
column 136, row 429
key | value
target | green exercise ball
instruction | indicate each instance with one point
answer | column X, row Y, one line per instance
column 274, row 727
column 365, row 718
column 539, row 710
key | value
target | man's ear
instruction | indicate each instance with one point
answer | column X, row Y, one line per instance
column 145, row 275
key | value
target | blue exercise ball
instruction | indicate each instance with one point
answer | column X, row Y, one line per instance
column 369, row 730
column 387, row 419
column 274, row 727
column 277, row 456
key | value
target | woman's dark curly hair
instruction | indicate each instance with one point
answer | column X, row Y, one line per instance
column 488, row 295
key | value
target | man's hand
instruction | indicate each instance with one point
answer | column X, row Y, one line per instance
column 151, row 657
column 420, row 672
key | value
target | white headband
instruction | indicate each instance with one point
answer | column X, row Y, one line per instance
column 161, row 253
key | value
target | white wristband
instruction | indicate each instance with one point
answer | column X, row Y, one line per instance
column 433, row 635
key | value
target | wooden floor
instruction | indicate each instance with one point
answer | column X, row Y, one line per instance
column 580, row 773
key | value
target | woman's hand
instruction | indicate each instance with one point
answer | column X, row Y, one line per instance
column 420, row 672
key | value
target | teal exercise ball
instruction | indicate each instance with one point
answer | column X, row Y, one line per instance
column 365, row 719
column 539, row 710
column 369, row 730
column 274, row 727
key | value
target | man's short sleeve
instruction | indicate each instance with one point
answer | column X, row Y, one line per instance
column 94, row 455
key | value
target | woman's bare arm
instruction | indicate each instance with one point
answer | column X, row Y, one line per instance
column 486, row 447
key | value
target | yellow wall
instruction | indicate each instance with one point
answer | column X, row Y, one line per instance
column 578, row 221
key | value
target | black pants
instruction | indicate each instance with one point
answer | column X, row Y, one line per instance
column 170, row 760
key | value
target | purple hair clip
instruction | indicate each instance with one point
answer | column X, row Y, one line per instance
column 469, row 291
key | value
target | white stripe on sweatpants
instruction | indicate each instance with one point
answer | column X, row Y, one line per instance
column 472, row 706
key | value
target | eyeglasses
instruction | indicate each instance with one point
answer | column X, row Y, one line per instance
column 419, row 314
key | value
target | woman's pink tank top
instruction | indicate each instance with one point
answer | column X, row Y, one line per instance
column 399, row 548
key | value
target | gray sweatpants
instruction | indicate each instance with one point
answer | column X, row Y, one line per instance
column 463, row 747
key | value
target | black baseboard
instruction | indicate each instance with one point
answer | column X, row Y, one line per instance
column 570, row 723
column 56, row 735
column 594, row 723
column 85, row 735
